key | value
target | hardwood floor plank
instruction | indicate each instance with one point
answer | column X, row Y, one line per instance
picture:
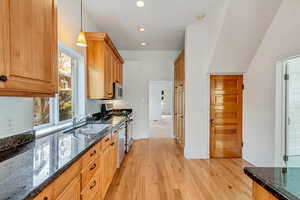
column 155, row 169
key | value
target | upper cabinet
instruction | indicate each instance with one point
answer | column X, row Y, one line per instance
column 104, row 66
column 28, row 48
column 179, row 71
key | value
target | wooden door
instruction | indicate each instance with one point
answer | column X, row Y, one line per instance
column 226, row 116
column 32, row 65
column 181, row 115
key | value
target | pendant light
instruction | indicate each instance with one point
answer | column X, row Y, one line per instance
column 81, row 41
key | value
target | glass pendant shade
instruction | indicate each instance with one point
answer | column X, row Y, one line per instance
column 81, row 41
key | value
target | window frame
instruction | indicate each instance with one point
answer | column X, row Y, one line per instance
column 78, row 97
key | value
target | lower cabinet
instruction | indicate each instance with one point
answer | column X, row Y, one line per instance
column 92, row 189
column 88, row 178
column 72, row 192
column 46, row 194
column 259, row 193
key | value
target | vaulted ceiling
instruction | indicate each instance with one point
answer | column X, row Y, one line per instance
column 164, row 21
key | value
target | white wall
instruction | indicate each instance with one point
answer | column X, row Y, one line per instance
column 243, row 29
column 200, row 42
column 140, row 68
column 17, row 113
column 281, row 41
column 156, row 109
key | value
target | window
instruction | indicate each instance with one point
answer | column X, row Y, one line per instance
column 66, row 66
column 61, row 109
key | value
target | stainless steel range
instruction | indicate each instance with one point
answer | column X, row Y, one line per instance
column 129, row 126
column 129, row 132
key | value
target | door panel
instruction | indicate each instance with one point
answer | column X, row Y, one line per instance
column 226, row 116
column 4, row 38
column 32, row 51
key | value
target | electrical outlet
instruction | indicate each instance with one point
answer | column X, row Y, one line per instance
column 9, row 123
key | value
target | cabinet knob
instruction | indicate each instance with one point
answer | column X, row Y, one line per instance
column 3, row 78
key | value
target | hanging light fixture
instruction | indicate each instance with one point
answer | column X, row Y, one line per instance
column 81, row 40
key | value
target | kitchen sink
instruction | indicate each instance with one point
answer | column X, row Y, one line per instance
column 92, row 128
column 88, row 129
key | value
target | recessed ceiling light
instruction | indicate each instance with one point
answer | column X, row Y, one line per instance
column 200, row 17
column 144, row 44
column 141, row 29
column 140, row 4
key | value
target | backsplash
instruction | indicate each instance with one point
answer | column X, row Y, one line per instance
column 16, row 115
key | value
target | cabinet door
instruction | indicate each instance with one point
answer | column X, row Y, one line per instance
column 45, row 194
column 4, row 38
column 115, row 69
column 33, row 47
column 72, row 192
column 114, row 156
column 108, row 74
column 121, row 72
column 106, row 170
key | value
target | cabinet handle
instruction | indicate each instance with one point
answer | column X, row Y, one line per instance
column 3, row 78
column 93, row 153
column 112, row 144
column 93, row 167
column 93, row 185
column 45, row 198
column 107, row 139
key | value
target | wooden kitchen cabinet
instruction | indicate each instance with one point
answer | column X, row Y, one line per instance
column 88, row 178
column 114, row 152
column 104, row 65
column 62, row 182
column 46, row 194
column 28, row 48
column 72, row 192
column 106, row 172
column 179, row 100
column 259, row 193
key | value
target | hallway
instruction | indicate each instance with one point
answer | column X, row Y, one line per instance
column 161, row 128
column 155, row 169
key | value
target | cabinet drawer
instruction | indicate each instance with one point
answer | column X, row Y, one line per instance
column 46, row 194
column 90, row 156
column 66, row 178
column 89, row 172
column 72, row 192
column 92, row 189
column 106, row 141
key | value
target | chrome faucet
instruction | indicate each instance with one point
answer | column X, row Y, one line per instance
column 79, row 119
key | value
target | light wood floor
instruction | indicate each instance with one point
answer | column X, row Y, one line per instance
column 156, row 170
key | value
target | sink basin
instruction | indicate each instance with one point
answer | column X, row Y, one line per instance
column 92, row 128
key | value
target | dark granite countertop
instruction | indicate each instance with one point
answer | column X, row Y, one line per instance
column 283, row 183
column 35, row 165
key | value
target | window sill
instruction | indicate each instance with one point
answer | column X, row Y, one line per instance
column 46, row 131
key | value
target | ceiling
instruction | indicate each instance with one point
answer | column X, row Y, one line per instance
column 164, row 21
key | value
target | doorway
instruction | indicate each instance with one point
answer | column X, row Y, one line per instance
column 291, row 96
column 226, row 103
column 160, row 109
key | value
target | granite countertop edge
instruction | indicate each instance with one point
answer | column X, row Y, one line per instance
column 268, row 186
column 37, row 190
